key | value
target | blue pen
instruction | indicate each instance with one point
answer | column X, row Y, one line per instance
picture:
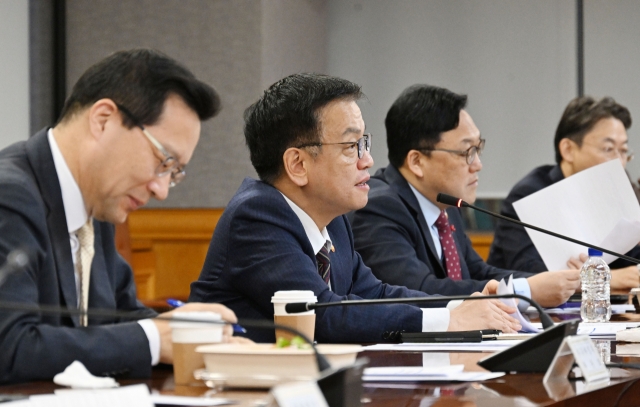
column 177, row 303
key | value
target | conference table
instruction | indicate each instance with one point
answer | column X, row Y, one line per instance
column 622, row 390
column 509, row 390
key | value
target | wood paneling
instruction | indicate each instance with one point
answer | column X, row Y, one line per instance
column 168, row 248
column 481, row 242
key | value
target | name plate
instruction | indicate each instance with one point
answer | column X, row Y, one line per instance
column 581, row 350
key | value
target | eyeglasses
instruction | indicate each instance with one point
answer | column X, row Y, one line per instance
column 611, row 152
column 168, row 164
column 469, row 154
column 363, row 144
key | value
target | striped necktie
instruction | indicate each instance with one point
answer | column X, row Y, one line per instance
column 324, row 262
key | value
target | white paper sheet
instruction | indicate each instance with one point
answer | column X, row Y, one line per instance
column 400, row 374
column 446, row 347
column 136, row 395
column 597, row 206
column 413, row 370
column 507, row 288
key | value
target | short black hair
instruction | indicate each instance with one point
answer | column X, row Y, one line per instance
column 582, row 114
column 141, row 80
column 287, row 115
column 418, row 117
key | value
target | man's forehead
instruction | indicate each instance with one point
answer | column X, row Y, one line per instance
column 343, row 117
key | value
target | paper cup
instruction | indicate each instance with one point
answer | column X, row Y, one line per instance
column 304, row 322
column 186, row 337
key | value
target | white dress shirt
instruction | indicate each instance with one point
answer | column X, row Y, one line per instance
column 76, row 215
column 433, row 319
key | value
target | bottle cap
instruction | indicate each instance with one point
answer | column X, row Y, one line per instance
column 594, row 253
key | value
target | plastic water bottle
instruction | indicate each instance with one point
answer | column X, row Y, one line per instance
column 595, row 277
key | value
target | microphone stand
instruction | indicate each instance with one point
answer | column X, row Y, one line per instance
column 457, row 202
column 297, row 307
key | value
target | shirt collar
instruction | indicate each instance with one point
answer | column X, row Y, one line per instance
column 429, row 210
column 317, row 237
column 74, row 209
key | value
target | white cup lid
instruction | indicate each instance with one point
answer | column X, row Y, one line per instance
column 294, row 296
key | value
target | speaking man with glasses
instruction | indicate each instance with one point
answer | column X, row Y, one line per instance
column 125, row 135
column 590, row 132
column 404, row 235
column 307, row 142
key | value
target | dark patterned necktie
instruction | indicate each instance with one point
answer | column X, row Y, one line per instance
column 324, row 262
column 449, row 250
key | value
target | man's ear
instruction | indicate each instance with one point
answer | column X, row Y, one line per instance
column 99, row 114
column 567, row 149
column 296, row 162
column 415, row 162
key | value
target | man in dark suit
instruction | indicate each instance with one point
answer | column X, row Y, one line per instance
column 288, row 230
column 125, row 135
column 590, row 132
column 405, row 235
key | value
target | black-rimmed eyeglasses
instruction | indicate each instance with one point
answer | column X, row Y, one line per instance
column 169, row 164
column 363, row 144
column 469, row 154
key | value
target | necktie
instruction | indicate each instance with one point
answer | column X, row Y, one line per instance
column 449, row 250
column 85, row 238
column 324, row 262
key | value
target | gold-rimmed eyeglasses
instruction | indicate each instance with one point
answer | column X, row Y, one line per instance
column 168, row 164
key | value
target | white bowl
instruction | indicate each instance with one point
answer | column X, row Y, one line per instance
column 264, row 365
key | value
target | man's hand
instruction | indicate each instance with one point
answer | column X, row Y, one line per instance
column 166, row 348
column 621, row 279
column 483, row 314
column 552, row 288
column 491, row 288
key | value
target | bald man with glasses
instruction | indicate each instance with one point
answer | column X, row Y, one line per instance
column 590, row 132
column 405, row 236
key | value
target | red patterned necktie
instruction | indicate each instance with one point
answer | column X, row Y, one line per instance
column 324, row 262
column 449, row 250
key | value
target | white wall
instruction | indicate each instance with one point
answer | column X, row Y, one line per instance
column 613, row 60
column 514, row 58
column 14, row 71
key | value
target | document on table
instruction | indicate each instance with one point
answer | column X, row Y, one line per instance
column 453, row 373
column 596, row 205
column 615, row 309
column 602, row 330
column 136, row 395
column 447, row 347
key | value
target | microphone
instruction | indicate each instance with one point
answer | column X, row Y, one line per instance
column 453, row 201
column 297, row 307
column 17, row 260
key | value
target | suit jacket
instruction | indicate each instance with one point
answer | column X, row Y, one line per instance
column 512, row 247
column 38, row 346
column 260, row 247
column 393, row 238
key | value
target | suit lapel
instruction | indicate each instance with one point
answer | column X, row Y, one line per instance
column 41, row 160
column 397, row 182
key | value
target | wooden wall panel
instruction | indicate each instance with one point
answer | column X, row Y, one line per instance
column 168, row 248
column 481, row 242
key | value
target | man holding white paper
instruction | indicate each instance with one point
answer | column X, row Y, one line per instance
column 590, row 132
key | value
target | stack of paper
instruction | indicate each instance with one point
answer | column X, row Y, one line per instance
column 452, row 373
